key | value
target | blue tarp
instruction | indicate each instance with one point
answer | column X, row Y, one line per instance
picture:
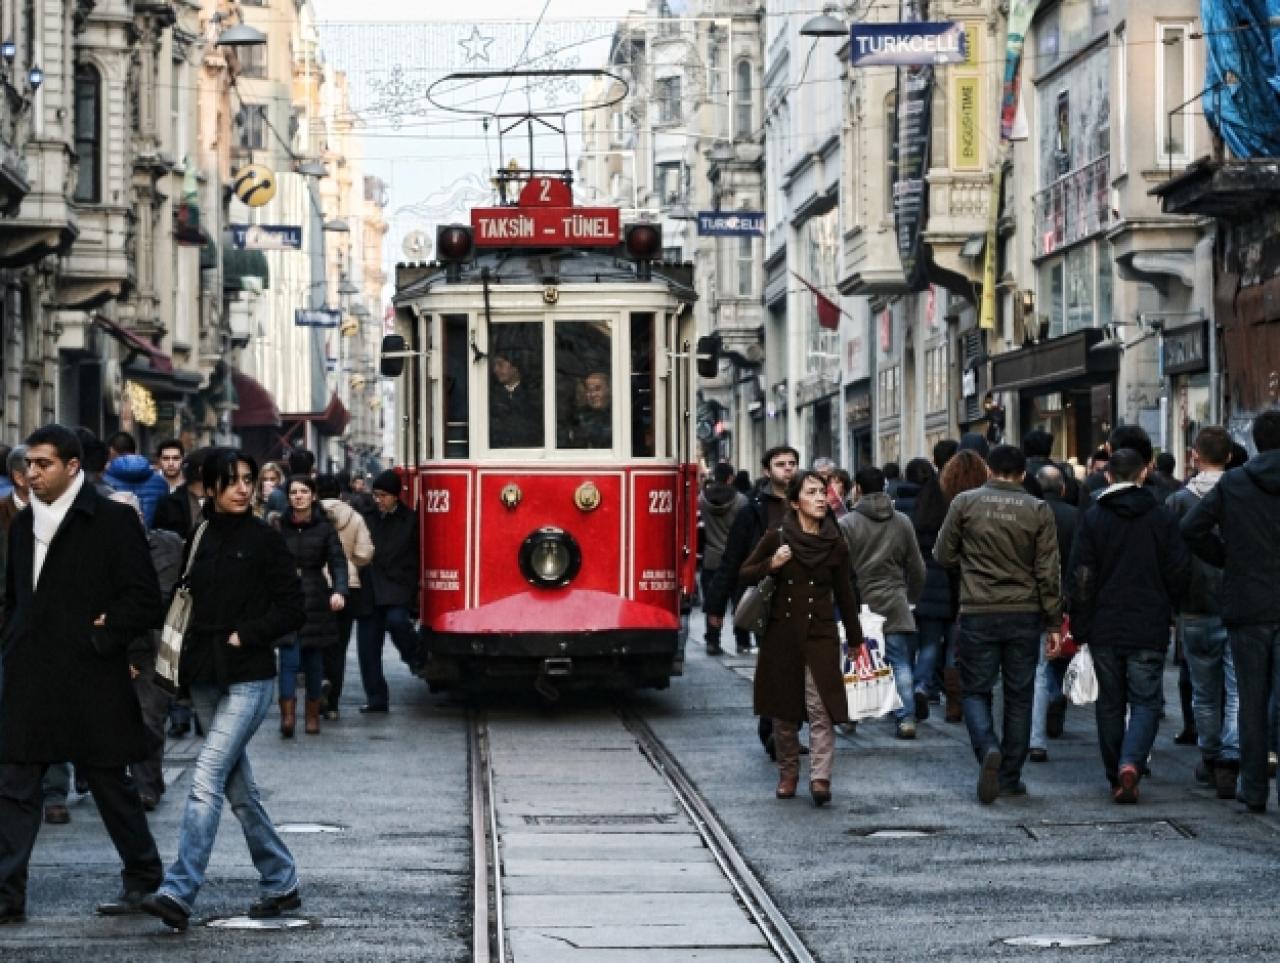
column 1240, row 39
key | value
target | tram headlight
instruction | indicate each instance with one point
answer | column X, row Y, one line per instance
column 550, row 558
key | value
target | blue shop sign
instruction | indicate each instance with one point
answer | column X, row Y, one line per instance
column 907, row 44
column 730, row 223
column 267, row 237
column 317, row 317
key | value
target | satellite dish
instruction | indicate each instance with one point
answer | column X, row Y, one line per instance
column 416, row 245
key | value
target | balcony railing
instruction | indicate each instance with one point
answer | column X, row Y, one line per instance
column 1074, row 207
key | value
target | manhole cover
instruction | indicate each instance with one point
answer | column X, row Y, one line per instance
column 247, row 923
column 307, row 828
column 602, row 819
column 1057, row 941
column 895, row 832
column 1153, row 829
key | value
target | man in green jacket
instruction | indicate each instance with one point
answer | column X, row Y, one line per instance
column 1004, row 543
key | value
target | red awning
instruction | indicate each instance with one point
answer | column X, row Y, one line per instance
column 332, row 421
column 136, row 344
column 257, row 407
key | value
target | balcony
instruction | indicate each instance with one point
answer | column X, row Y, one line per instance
column 1074, row 207
column 98, row 267
column 958, row 206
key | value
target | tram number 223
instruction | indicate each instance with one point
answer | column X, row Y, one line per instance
column 660, row 502
column 436, row 501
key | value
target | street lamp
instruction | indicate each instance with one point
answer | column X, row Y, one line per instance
column 311, row 168
column 825, row 24
column 346, row 287
column 337, row 226
column 241, row 35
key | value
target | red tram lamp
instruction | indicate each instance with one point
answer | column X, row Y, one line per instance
column 455, row 245
column 642, row 243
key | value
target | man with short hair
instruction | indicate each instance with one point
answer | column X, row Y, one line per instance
column 79, row 586
column 889, row 572
column 130, row 472
column 515, row 412
column 1004, row 543
column 179, row 511
column 1037, row 445
column 1048, row 713
column 1236, row 526
column 1214, row 693
column 169, row 462
column 1129, row 569
column 718, row 505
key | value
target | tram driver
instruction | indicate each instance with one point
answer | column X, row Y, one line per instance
column 592, row 425
column 515, row 414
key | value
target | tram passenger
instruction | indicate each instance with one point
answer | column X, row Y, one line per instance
column 592, row 425
column 515, row 412
column 798, row 673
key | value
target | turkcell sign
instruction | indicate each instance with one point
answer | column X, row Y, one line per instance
column 906, row 44
column 317, row 317
column 545, row 226
column 730, row 224
column 267, row 237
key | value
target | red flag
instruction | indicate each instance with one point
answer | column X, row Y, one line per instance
column 828, row 310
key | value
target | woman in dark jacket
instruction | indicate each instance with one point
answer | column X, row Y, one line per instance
column 798, row 673
column 316, row 548
column 245, row 595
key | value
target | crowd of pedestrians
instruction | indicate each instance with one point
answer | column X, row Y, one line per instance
column 281, row 565
column 995, row 565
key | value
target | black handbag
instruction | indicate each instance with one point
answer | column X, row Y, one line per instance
column 752, row 611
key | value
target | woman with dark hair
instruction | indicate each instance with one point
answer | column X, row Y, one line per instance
column 245, row 595
column 322, row 566
column 798, row 673
column 742, row 482
column 357, row 545
column 918, row 473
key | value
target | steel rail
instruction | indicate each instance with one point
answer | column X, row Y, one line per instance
column 488, row 936
column 783, row 940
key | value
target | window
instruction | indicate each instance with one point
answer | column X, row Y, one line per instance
column 746, row 267
column 643, row 389
column 1173, row 79
column 88, row 134
column 253, row 60
column 515, row 385
column 890, row 149
column 1075, row 289
column 668, row 181
column 457, row 370
column 584, row 384
column 1122, row 104
column 890, row 447
column 669, row 100
column 743, row 102
column 935, row 379
column 251, row 126
column 888, row 399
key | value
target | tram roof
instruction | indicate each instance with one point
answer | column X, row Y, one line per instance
column 544, row 267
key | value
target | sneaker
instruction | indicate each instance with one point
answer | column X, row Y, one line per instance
column 1038, row 755
column 366, row 709
column 1127, row 790
column 1225, row 774
column 922, row 706
column 906, row 729
column 1056, row 718
column 271, row 906
column 989, row 776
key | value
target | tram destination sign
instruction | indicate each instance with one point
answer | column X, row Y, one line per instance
column 545, row 226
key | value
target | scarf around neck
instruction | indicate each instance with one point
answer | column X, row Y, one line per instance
column 811, row 551
column 47, row 519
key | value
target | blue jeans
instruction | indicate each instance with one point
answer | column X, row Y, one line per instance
column 310, row 661
column 230, row 717
column 371, row 634
column 939, row 637
column 900, row 653
column 1256, row 652
column 991, row 647
column 1129, row 680
column 1049, row 675
column 1214, row 698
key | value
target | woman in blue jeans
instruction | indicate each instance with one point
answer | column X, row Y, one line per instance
column 322, row 566
column 246, row 594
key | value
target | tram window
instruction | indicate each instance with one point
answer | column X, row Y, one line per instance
column 515, row 385
column 643, row 420
column 584, row 384
column 457, row 369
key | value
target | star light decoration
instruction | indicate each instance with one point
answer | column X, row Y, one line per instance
column 476, row 47
column 396, row 97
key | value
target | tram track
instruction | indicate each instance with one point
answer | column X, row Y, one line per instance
column 490, row 943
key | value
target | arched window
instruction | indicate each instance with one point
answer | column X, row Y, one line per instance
column 743, row 101
column 88, row 134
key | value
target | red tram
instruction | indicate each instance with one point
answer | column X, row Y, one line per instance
column 546, row 435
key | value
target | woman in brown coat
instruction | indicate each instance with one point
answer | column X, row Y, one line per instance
column 798, row 672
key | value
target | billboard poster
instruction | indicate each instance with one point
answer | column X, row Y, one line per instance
column 1018, row 20
column 911, row 160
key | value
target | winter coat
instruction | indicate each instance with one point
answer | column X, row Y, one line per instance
column 245, row 581
column 719, row 506
column 904, row 499
column 939, row 600
column 1129, row 568
column 1204, row 591
column 886, row 560
column 394, row 573
column 1073, row 493
column 322, row 568
column 1236, row 526
column 802, row 628
column 763, row 511
column 1005, row 544
column 166, row 550
column 66, row 693
column 133, row 473
column 178, row 512
column 1065, row 519
column 357, row 545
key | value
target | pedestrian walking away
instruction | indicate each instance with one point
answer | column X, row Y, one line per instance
column 79, row 586
column 1049, row 710
column 245, row 596
column 718, row 505
column 357, row 546
column 798, row 673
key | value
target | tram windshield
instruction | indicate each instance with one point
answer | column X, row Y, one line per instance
column 515, row 385
column 584, row 384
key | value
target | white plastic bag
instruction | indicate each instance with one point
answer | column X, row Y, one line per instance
column 1081, row 681
column 869, row 684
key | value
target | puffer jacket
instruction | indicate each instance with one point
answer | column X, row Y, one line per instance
column 1005, row 544
column 886, row 560
column 719, row 505
column 357, row 544
column 133, row 473
column 322, row 568
column 1204, row 591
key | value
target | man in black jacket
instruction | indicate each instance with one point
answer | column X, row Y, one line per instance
column 1236, row 526
column 1129, row 569
column 1048, row 713
column 718, row 505
column 179, row 511
column 392, row 578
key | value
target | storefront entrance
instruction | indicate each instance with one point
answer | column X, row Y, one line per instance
column 1078, row 418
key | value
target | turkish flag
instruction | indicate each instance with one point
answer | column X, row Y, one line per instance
column 828, row 310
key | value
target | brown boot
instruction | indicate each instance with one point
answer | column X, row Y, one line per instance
column 313, row 716
column 951, row 686
column 787, row 786
column 288, row 717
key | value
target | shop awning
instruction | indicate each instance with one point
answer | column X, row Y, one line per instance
column 238, row 265
column 332, row 421
column 136, row 345
column 257, row 408
column 1058, row 363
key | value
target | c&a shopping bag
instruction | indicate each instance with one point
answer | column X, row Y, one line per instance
column 869, row 684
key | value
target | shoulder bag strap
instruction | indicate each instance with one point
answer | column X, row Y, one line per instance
column 195, row 547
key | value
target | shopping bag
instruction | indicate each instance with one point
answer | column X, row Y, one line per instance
column 869, row 685
column 1081, row 682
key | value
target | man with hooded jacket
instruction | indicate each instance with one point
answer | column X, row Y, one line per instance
column 718, row 505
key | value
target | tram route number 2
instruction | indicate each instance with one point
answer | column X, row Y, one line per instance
column 660, row 502
column 436, row 500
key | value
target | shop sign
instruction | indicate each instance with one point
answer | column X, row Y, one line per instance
column 969, row 383
column 906, row 44
column 1186, row 350
column 730, row 223
column 911, row 146
column 857, row 407
column 317, row 317
column 266, row 237
column 856, row 358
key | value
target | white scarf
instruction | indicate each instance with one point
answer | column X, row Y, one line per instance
column 48, row 519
